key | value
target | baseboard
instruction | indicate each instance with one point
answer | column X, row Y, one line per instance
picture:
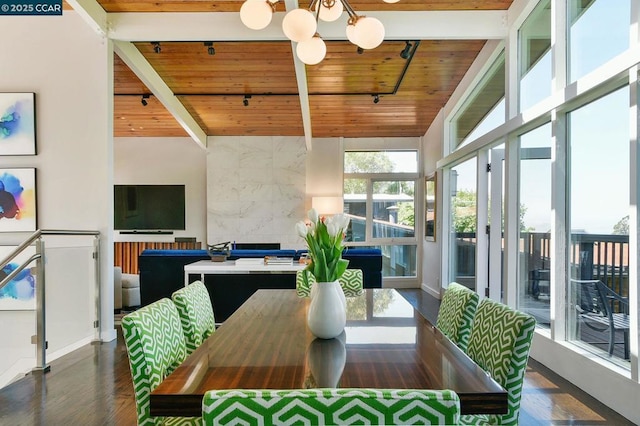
column 429, row 290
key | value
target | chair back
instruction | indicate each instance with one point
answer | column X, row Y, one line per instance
column 155, row 344
column 331, row 407
column 351, row 281
column 457, row 310
column 500, row 341
column 196, row 314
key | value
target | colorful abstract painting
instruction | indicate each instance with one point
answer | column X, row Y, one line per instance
column 17, row 200
column 17, row 124
column 20, row 292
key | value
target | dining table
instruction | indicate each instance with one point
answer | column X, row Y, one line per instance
column 386, row 344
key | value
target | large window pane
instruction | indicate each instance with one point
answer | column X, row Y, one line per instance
column 484, row 110
column 599, row 221
column 534, row 261
column 598, row 31
column 535, row 56
column 462, row 267
column 382, row 207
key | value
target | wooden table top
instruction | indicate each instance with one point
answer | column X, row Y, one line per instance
column 266, row 344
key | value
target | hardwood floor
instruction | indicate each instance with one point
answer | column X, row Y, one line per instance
column 92, row 386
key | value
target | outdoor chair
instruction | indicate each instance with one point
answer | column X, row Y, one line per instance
column 457, row 310
column 331, row 407
column 596, row 306
column 500, row 341
column 351, row 281
column 196, row 314
column 156, row 346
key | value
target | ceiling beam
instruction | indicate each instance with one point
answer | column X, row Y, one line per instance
column 303, row 89
column 131, row 56
column 92, row 13
column 226, row 26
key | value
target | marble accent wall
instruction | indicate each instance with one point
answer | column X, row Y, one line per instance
column 255, row 189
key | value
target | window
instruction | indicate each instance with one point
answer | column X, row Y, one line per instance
column 484, row 110
column 534, row 261
column 598, row 31
column 462, row 266
column 379, row 195
column 535, row 56
column 599, row 218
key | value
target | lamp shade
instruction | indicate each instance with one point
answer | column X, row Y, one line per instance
column 369, row 32
column 331, row 13
column 256, row 14
column 328, row 205
column 299, row 25
column 311, row 51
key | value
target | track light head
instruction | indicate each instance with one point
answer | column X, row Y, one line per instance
column 360, row 50
column 144, row 101
column 156, row 46
column 245, row 101
column 210, row 49
column 376, row 98
column 406, row 52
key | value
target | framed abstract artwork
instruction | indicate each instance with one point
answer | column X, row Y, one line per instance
column 18, row 200
column 17, row 124
column 430, row 207
column 20, row 293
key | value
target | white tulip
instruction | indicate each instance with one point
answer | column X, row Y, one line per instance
column 302, row 229
column 332, row 227
column 342, row 221
column 313, row 215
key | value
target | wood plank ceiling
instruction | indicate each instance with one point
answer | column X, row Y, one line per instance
column 341, row 88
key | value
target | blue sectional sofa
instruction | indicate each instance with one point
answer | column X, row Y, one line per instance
column 162, row 273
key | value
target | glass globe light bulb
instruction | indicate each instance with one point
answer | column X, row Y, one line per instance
column 256, row 14
column 299, row 25
column 351, row 34
column 329, row 14
column 369, row 32
column 311, row 51
column 391, row 1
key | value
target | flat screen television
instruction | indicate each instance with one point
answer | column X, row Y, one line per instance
column 149, row 207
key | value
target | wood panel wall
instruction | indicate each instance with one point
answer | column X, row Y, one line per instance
column 125, row 253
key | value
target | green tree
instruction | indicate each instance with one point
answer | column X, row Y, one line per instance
column 464, row 213
column 622, row 227
column 364, row 162
column 406, row 214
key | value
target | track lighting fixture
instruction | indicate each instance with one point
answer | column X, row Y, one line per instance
column 144, row 101
column 245, row 101
column 210, row 49
column 406, row 52
column 360, row 50
column 376, row 98
column 156, row 46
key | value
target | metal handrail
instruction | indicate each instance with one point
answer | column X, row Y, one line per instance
column 40, row 337
column 37, row 234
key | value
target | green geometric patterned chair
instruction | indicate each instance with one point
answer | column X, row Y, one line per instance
column 196, row 314
column 331, row 407
column 500, row 342
column 351, row 281
column 155, row 344
column 457, row 310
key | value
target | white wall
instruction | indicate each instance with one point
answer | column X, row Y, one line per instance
column 69, row 68
column 256, row 189
column 431, row 259
column 166, row 161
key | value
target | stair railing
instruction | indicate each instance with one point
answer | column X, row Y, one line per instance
column 40, row 337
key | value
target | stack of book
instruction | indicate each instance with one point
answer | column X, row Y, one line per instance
column 278, row 260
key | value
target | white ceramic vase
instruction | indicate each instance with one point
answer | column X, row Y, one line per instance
column 327, row 314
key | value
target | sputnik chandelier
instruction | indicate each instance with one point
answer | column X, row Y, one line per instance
column 300, row 25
